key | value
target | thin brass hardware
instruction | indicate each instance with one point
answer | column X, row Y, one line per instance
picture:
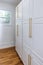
column 17, row 30
column 29, row 60
column 30, row 27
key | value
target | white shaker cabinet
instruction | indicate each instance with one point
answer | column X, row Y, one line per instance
column 26, row 34
column 19, row 11
column 27, row 40
column 25, row 10
column 37, row 41
column 38, row 9
column 25, row 56
column 19, row 39
column 19, row 45
column 37, row 33
column 25, row 43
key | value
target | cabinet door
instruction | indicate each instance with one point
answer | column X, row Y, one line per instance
column 19, row 40
column 38, row 9
column 19, row 11
column 37, row 41
column 25, row 57
column 27, row 41
column 26, row 38
column 25, row 9
column 31, row 7
column 19, row 29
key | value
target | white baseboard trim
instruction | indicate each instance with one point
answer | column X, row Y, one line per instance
column 7, row 44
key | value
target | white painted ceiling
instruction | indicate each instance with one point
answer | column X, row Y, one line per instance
column 15, row 2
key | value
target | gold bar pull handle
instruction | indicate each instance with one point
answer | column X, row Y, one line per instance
column 29, row 60
column 17, row 30
column 30, row 27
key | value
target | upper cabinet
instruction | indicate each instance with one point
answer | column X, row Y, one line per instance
column 31, row 5
column 25, row 9
column 38, row 9
column 29, row 9
column 19, row 11
column 19, row 45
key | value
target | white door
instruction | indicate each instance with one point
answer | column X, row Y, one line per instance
column 19, row 30
column 27, row 13
column 25, row 56
column 27, row 40
column 19, row 10
column 37, row 33
column 37, row 41
column 25, row 43
column 38, row 9
column 25, row 10
column 19, row 39
column 26, row 35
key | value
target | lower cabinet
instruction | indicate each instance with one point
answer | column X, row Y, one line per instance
column 26, row 56
column 30, row 46
column 37, row 41
column 23, row 43
column 19, row 39
column 27, row 41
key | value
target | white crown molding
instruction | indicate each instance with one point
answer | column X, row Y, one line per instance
column 13, row 2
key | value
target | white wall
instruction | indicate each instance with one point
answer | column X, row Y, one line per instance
column 7, row 31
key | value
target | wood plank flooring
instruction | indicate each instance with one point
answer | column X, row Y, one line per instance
column 9, row 57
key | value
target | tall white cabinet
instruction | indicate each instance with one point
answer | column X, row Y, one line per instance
column 37, row 33
column 29, row 40
column 19, row 30
column 37, row 41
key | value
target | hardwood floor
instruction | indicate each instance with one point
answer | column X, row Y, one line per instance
column 9, row 57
